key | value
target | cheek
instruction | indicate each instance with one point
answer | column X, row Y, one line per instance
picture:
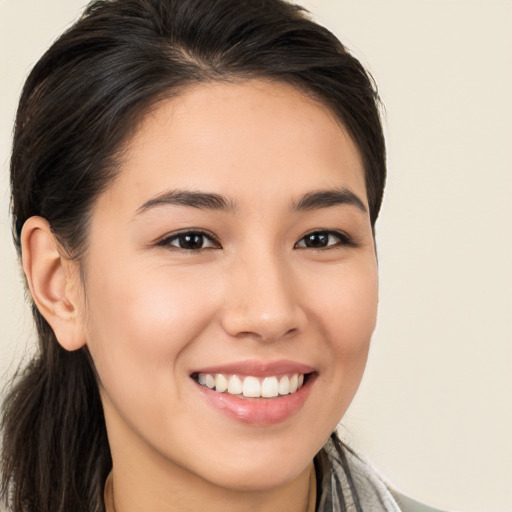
column 140, row 321
column 348, row 306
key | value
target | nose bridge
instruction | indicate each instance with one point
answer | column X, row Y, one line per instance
column 263, row 298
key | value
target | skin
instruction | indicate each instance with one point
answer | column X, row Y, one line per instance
column 152, row 313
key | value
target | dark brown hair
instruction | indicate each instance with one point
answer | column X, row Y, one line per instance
column 79, row 105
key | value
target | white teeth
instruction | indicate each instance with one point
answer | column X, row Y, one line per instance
column 269, row 387
column 234, row 385
column 252, row 387
column 294, row 382
column 221, row 383
column 210, row 381
column 284, row 385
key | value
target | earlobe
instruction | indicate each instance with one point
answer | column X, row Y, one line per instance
column 53, row 281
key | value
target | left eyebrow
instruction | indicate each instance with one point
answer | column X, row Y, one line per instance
column 325, row 198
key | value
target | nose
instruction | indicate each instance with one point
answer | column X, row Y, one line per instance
column 263, row 301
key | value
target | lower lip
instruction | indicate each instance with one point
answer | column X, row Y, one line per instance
column 259, row 411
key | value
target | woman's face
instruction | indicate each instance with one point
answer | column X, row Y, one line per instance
column 234, row 249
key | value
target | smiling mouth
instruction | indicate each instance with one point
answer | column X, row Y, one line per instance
column 250, row 386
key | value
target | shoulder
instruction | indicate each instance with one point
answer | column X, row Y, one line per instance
column 407, row 504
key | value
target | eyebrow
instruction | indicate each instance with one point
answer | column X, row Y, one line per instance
column 314, row 200
column 325, row 198
column 202, row 200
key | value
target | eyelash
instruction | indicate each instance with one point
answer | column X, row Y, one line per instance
column 343, row 240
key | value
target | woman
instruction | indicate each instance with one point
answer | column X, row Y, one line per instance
column 195, row 187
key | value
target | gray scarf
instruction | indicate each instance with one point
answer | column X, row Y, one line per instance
column 345, row 483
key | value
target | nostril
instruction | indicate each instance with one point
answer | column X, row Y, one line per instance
column 291, row 332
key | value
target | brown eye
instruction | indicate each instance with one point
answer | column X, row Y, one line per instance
column 323, row 240
column 190, row 241
column 316, row 240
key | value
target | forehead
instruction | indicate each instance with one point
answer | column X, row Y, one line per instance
column 245, row 139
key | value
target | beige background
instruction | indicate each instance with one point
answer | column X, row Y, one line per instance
column 434, row 412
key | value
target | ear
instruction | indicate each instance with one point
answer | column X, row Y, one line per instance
column 54, row 282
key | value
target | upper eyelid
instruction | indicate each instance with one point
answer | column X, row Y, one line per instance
column 325, row 230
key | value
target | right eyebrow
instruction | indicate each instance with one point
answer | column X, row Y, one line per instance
column 194, row 199
column 330, row 197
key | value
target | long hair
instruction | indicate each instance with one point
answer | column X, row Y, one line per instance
column 79, row 105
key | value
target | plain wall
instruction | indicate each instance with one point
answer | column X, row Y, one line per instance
column 434, row 412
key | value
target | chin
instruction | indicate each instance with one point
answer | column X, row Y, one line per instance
column 251, row 478
column 261, row 464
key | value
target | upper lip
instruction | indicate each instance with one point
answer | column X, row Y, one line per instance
column 258, row 368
